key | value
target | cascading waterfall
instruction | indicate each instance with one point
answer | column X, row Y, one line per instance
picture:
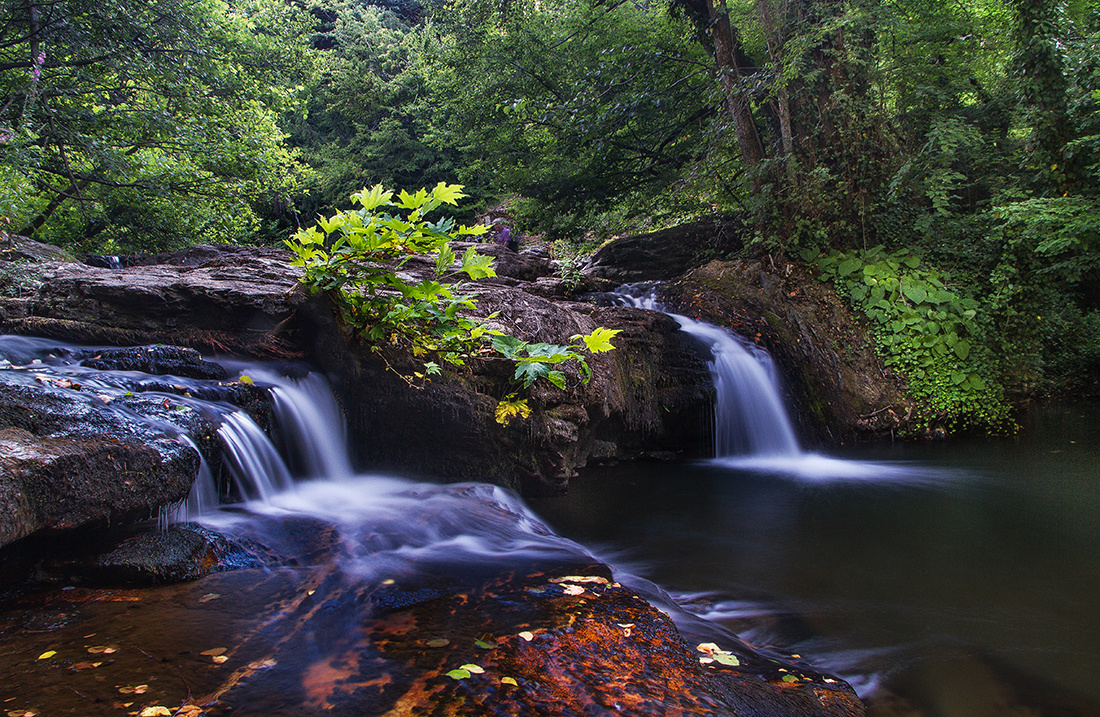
column 383, row 521
column 749, row 416
column 751, row 426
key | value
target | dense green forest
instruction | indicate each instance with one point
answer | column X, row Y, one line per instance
column 938, row 160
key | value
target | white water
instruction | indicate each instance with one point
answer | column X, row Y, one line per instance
column 749, row 416
column 752, row 430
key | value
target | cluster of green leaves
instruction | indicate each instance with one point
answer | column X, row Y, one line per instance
column 537, row 360
column 356, row 256
column 924, row 331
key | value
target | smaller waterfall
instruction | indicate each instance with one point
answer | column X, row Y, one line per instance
column 749, row 416
column 313, row 425
column 258, row 469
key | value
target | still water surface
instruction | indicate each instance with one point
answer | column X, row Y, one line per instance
column 949, row 579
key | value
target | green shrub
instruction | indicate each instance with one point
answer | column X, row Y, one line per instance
column 356, row 257
column 924, row 331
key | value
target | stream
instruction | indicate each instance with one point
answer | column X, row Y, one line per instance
column 954, row 579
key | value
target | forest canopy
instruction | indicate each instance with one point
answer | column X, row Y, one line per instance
column 963, row 136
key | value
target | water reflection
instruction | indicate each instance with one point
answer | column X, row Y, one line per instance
column 908, row 571
column 818, row 467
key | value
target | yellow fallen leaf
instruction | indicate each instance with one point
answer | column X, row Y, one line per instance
column 219, row 659
column 47, row 654
column 214, row 651
column 472, row 668
column 572, row 589
column 189, row 711
column 528, row 636
column 580, row 579
column 509, row 681
column 156, row 711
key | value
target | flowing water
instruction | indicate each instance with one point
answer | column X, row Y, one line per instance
column 956, row 579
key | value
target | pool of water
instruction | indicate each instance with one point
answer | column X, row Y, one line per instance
column 941, row 579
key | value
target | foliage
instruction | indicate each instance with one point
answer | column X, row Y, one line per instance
column 356, row 256
column 369, row 114
column 1042, row 290
column 509, row 407
column 574, row 106
column 147, row 125
column 924, row 331
column 534, row 360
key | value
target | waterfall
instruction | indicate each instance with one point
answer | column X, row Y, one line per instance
column 312, row 423
column 749, row 417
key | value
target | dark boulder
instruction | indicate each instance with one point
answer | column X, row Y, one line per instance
column 665, row 254
column 158, row 360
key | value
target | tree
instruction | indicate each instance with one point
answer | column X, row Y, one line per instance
column 146, row 125
column 369, row 115
column 572, row 105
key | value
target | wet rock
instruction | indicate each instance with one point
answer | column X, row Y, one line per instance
column 157, row 360
column 52, row 483
column 174, row 554
column 665, row 254
column 68, row 459
column 169, row 555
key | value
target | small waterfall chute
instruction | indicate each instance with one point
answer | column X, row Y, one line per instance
column 749, row 416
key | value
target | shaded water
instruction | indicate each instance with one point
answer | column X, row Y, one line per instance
column 949, row 579
column 952, row 580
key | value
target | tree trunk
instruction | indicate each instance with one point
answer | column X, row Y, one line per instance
column 730, row 71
